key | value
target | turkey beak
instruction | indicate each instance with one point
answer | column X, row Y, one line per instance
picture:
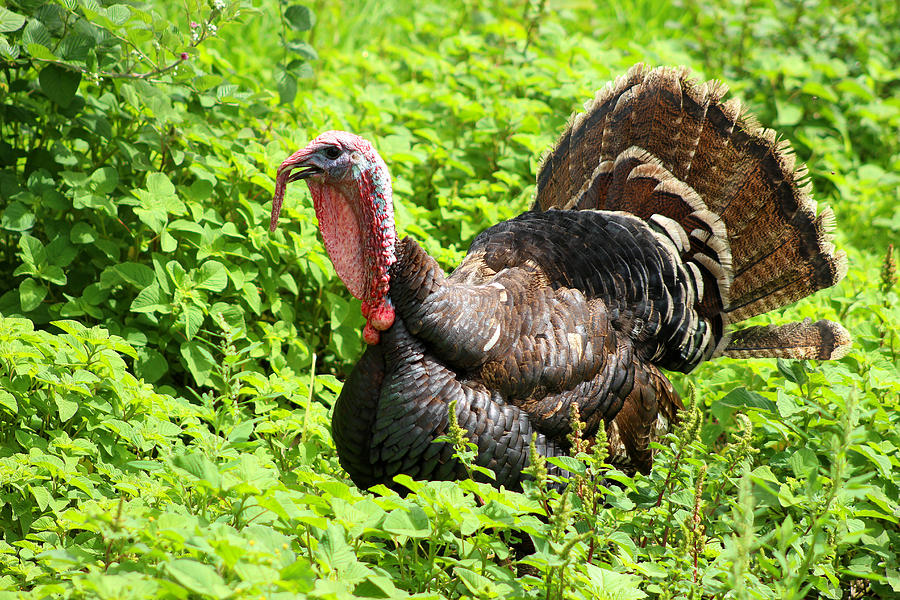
column 301, row 160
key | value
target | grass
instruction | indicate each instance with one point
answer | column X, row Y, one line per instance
column 167, row 368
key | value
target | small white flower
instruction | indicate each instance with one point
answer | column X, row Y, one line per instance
column 219, row 4
column 212, row 29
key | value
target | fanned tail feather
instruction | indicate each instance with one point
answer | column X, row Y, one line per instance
column 655, row 141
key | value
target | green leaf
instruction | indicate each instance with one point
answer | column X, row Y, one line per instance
column 881, row 461
column 477, row 584
column 200, row 467
column 33, row 252
column 251, row 296
column 42, row 496
column 82, row 233
column 377, row 586
column 299, row 572
column 17, row 217
column 145, row 465
column 568, row 463
column 816, row 89
column 241, row 433
column 138, row 35
column 198, row 578
column 300, row 17
column 59, row 84
column 134, row 274
column 10, row 21
column 855, row 88
column 152, row 299
column 789, row 113
column 31, row 294
column 157, row 202
column 335, row 550
column 65, row 408
column 159, row 186
column 786, row 404
column 150, row 365
column 35, row 34
column 154, row 216
column 76, row 46
column 231, row 314
column 803, row 462
column 53, row 274
column 412, row 523
column 104, row 180
column 178, row 275
column 287, row 85
column 73, row 328
column 793, row 371
column 611, row 584
column 743, row 398
column 303, row 49
column 8, row 401
column 212, row 276
column 192, row 317
column 118, row 13
column 7, row 51
column 40, row 51
column 167, row 242
column 198, row 360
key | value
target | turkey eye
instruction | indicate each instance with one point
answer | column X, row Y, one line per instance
column 332, row 152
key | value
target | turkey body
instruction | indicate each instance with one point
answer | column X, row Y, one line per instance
column 516, row 335
column 662, row 217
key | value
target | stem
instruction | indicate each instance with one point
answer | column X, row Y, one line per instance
column 283, row 35
column 532, row 22
column 309, row 397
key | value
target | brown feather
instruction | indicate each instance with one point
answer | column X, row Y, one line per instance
column 822, row 340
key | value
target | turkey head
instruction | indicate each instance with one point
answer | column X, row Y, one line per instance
column 351, row 190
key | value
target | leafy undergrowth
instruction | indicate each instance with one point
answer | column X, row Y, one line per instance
column 167, row 367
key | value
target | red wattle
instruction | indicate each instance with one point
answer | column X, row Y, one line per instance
column 370, row 335
column 343, row 235
column 381, row 317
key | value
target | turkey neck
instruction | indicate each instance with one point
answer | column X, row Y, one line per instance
column 415, row 275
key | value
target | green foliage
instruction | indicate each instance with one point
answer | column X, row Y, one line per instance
column 134, row 203
column 167, row 367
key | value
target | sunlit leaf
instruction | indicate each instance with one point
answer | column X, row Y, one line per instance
column 212, row 276
column 10, row 21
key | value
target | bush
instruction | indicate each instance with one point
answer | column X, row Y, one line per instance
column 137, row 195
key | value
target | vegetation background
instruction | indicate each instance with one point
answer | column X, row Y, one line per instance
column 167, row 366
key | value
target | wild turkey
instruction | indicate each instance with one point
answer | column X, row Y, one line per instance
column 662, row 216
